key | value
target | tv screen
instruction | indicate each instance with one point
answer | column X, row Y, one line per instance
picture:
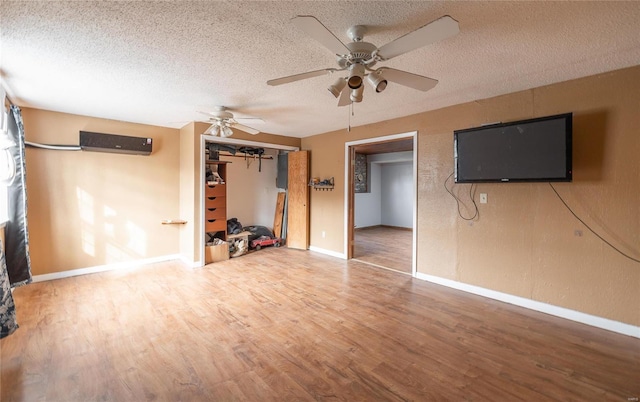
column 527, row 150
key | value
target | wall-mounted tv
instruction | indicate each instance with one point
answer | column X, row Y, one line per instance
column 527, row 150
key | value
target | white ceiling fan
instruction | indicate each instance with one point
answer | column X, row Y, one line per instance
column 222, row 121
column 358, row 58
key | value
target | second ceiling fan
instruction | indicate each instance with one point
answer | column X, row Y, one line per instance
column 358, row 57
column 222, row 121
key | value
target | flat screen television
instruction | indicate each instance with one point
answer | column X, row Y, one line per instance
column 534, row 150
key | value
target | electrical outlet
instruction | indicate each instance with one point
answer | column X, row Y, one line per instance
column 323, row 234
column 483, row 198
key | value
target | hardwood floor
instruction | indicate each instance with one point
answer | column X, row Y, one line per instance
column 282, row 324
column 384, row 246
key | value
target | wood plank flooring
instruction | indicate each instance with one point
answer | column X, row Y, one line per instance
column 282, row 324
column 384, row 246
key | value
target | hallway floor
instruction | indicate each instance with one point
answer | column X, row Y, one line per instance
column 384, row 246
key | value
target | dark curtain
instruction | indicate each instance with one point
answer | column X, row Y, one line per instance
column 8, row 323
column 16, row 234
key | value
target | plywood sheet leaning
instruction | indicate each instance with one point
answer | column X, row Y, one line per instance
column 277, row 221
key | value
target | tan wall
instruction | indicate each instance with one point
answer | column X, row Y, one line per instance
column 327, row 207
column 251, row 188
column 88, row 209
column 189, row 192
column 523, row 243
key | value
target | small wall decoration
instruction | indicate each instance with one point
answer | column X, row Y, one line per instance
column 360, row 179
column 326, row 184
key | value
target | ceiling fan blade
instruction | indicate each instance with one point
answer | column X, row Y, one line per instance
column 345, row 98
column 301, row 76
column 210, row 114
column 319, row 32
column 434, row 31
column 410, row 80
column 249, row 118
column 244, row 128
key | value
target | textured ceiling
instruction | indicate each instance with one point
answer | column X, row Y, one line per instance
column 160, row 62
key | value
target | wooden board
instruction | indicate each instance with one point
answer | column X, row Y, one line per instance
column 298, row 203
column 277, row 220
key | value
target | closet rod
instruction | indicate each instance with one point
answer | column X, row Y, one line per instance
column 246, row 155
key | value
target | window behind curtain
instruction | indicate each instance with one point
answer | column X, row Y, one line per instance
column 7, row 165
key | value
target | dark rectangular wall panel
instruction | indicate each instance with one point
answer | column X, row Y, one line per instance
column 121, row 144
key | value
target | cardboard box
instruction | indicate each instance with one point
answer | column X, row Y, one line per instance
column 242, row 235
column 216, row 253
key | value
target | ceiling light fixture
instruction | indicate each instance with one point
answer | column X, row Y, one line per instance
column 337, row 87
column 356, row 94
column 356, row 72
column 214, row 129
column 358, row 58
column 225, row 132
column 377, row 81
column 222, row 122
column 220, row 129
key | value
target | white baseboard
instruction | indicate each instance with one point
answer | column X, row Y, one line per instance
column 599, row 322
column 107, row 267
column 327, row 252
column 190, row 263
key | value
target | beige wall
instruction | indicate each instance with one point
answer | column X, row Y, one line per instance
column 251, row 188
column 189, row 191
column 88, row 209
column 523, row 243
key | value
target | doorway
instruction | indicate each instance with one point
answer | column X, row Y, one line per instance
column 381, row 201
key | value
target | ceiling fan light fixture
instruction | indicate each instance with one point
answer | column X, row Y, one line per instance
column 226, row 132
column 214, row 129
column 377, row 81
column 356, row 94
column 356, row 72
column 337, row 87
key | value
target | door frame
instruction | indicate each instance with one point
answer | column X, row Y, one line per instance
column 349, row 192
column 221, row 140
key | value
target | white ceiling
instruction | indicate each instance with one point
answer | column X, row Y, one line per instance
column 160, row 62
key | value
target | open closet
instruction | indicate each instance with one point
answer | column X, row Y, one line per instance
column 245, row 186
